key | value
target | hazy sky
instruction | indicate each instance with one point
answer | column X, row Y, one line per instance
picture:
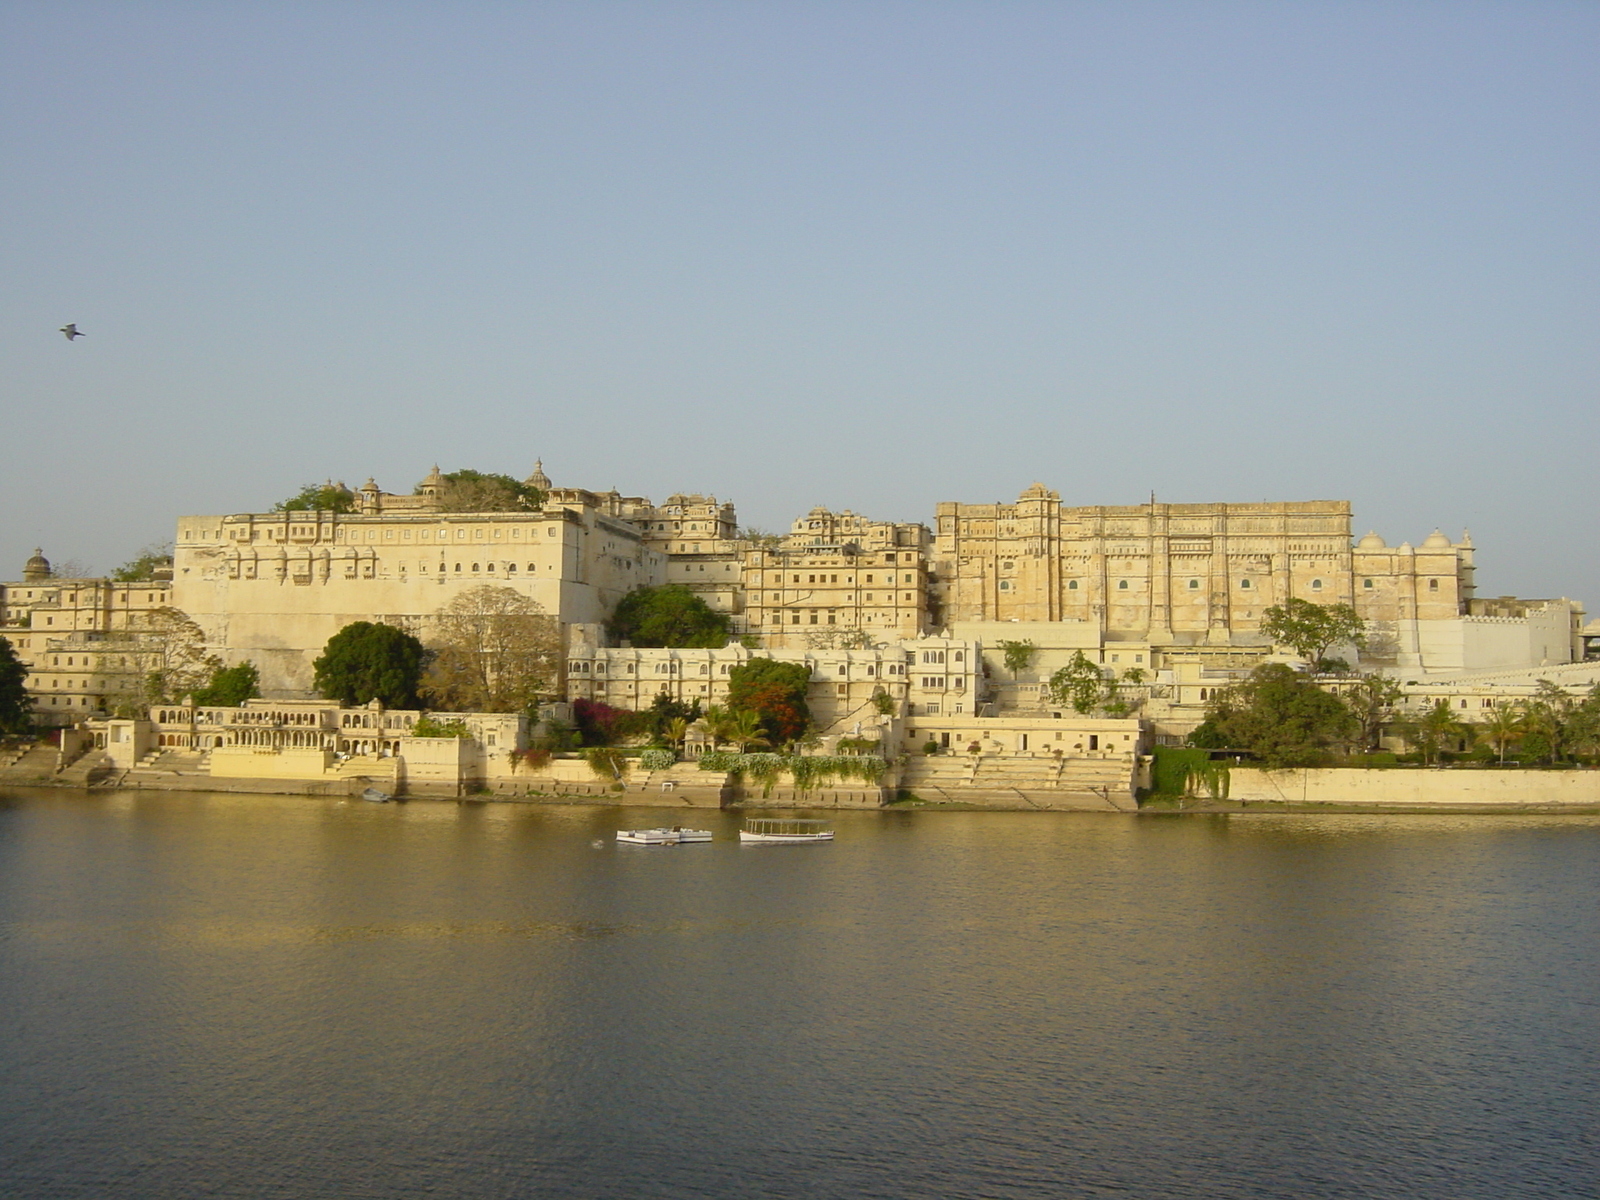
column 866, row 255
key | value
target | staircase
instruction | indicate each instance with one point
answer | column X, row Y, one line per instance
column 36, row 761
column 11, row 755
column 87, row 769
column 1024, row 781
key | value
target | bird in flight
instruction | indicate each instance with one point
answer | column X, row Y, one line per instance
column 72, row 331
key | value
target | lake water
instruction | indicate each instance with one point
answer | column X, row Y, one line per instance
column 252, row 996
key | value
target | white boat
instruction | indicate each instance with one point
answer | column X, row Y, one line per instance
column 663, row 837
column 784, row 831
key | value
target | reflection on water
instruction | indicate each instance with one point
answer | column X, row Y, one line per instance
column 211, row 995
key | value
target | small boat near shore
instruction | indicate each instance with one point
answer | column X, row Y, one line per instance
column 663, row 837
column 374, row 796
column 784, row 831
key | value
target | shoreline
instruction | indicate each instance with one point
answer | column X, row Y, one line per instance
column 1164, row 806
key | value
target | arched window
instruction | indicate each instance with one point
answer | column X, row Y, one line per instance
column 1244, row 585
column 1072, row 585
column 1194, row 585
column 1316, row 585
column 1122, row 585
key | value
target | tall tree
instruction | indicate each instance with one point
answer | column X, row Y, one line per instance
column 1017, row 656
column 16, row 706
column 1282, row 717
column 1433, row 731
column 668, row 616
column 1502, row 727
column 365, row 661
column 231, row 686
column 1311, row 630
column 172, row 654
column 1077, row 684
column 776, row 693
column 494, row 650
column 1374, row 701
column 1548, row 715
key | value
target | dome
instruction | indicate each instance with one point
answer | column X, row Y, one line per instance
column 1372, row 542
column 539, row 479
column 37, row 569
column 1436, row 541
column 432, row 483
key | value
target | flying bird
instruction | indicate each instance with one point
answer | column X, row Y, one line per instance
column 72, row 331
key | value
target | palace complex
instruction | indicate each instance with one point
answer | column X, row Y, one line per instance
column 1171, row 592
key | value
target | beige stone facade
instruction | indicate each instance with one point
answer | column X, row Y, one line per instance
column 274, row 587
column 925, row 676
column 78, row 638
column 1176, row 574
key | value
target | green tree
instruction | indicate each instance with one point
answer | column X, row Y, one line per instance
column 665, row 714
column 1373, row 701
column 230, row 686
column 1583, row 730
column 1017, row 656
column 143, row 565
column 1281, row 717
column 494, row 650
column 1077, row 684
column 667, row 616
column 1433, row 731
column 366, row 661
column 480, row 491
column 16, row 706
column 319, row 497
column 776, row 693
column 1502, row 727
column 745, row 730
column 1548, row 716
column 1311, row 630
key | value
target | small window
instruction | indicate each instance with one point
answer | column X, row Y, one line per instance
column 1244, row 585
column 1316, row 585
column 1433, row 585
column 1005, row 585
column 1194, row 585
column 1122, row 585
column 1366, row 583
column 1072, row 585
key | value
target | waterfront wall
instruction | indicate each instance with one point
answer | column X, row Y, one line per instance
column 1436, row 788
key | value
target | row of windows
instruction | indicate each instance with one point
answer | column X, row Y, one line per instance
column 583, row 667
column 1194, row 585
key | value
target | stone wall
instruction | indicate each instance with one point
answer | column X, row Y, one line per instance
column 1420, row 788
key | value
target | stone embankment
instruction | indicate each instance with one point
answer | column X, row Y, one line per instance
column 1437, row 788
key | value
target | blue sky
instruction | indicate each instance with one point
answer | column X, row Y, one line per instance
column 867, row 255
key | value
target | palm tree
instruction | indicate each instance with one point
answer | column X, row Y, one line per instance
column 1429, row 732
column 717, row 721
column 1503, row 726
column 744, row 730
